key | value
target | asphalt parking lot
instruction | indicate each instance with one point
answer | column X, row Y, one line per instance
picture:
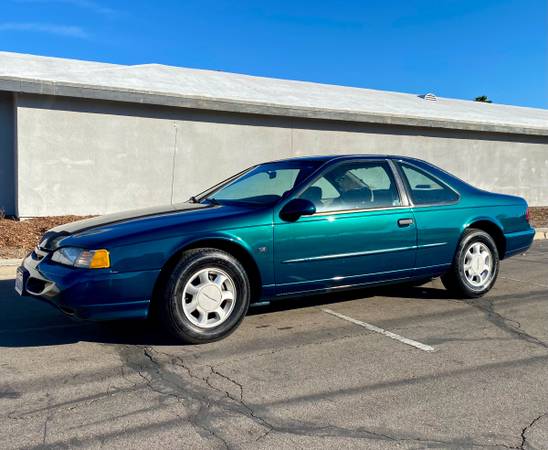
column 293, row 375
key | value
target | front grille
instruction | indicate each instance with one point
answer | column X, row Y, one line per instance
column 36, row 286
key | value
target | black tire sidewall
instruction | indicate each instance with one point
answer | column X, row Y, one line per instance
column 190, row 263
column 468, row 239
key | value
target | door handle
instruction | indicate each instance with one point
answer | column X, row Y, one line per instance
column 405, row 222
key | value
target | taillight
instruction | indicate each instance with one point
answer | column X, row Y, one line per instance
column 527, row 215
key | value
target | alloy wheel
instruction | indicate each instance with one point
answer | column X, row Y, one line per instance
column 209, row 297
column 478, row 265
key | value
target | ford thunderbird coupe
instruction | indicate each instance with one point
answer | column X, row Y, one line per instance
column 279, row 229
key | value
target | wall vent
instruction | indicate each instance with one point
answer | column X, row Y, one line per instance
column 430, row 97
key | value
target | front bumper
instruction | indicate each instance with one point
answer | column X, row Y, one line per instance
column 95, row 294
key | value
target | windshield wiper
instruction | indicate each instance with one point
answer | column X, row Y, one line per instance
column 212, row 200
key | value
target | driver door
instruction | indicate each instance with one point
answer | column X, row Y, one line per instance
column 363, row 231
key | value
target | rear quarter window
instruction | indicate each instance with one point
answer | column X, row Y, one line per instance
column 425, row 189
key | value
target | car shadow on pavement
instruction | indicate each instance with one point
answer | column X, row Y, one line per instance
column 28, row 322
column 403, row 291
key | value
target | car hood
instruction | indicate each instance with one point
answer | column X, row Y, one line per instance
column 109, row 219
column 123, row 224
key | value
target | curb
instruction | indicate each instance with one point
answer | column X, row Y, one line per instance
column 10, row 262
column 541, row 233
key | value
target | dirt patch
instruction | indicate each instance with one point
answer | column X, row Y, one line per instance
column 539, row 216
column 17, row 238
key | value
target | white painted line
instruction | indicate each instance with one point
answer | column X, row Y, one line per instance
column 386, row 333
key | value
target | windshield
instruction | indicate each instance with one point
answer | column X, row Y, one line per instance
column 264, row 184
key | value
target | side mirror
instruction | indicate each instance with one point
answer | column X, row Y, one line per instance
column 296, row 208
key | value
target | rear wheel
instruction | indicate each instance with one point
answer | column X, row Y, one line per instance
column 475, row 266
column 206, row 296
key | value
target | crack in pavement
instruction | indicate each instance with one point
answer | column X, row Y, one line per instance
column 505, row 324
column 250, row 412
column 166, row 383
column 203, row 417
column 209, row 413
column 192, row 418
column 269, row 427
column 534, row 283
column 525, row 430
column 246, row 409
column 49, row 415
column 71, row 404
column 178, row 361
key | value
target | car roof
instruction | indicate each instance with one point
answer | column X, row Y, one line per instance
column 328, row 158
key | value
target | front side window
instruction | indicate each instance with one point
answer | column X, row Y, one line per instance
column 356, row 185
column 424, row 188
column 264, row 184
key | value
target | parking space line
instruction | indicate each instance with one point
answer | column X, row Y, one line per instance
column 382, row 331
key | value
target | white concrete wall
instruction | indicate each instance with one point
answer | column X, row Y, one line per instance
column 209, row 152
column 87, row 157
column 7, row 154
column 489, row 162
column 86, row 163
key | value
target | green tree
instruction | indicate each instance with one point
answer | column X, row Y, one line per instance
column 483, row 98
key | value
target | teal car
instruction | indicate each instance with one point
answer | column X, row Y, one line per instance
column 280, row 229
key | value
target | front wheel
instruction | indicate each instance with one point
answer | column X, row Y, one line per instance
column 475, row 266
column 206, row 297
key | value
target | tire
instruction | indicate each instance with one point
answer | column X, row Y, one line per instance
column 469, row 276
column 205, row 297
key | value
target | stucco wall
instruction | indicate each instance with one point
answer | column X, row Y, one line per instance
column 88, row 157
column 7, row 163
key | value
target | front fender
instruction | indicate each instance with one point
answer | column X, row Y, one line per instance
column 256, row 242
column 220, row 236
column 153, row 254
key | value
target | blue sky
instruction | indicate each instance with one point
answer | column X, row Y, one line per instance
column 454, row 48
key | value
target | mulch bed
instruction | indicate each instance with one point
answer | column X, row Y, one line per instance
column 17, row 238
column 539, row 216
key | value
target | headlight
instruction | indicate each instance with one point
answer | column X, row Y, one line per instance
column 79, row 257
